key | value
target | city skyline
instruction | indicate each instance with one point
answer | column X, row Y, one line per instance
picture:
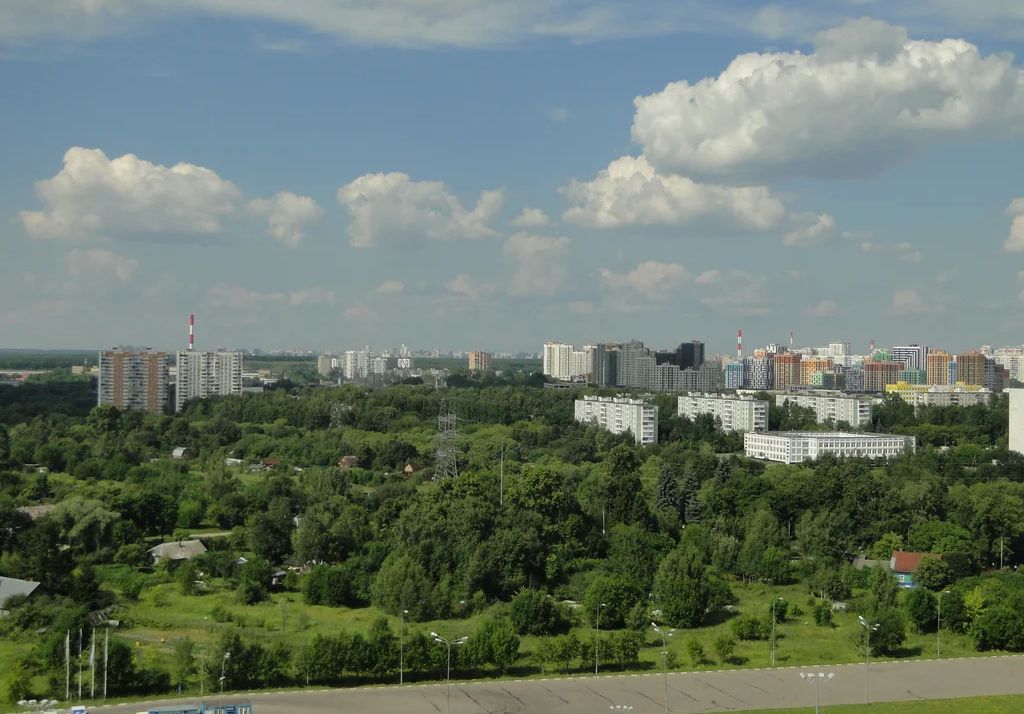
column 312, row 177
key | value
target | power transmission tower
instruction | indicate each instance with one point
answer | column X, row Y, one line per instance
column 446, row 458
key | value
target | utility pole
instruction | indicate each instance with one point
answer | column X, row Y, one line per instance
column 597, row 635
column 501, row 478
column 67, row 666
column 79, row 664
column 868, row 628
column 106, row 652
column 92, row 665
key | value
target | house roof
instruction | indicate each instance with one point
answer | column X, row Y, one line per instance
column 179, row 451
column 38, row 511
column 9, row 587
column 271, row 462
column 906, row 562
column 178, row 550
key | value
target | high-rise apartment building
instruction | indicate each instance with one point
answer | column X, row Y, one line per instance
column 619, row 415
column 691, row 354
column 205, row 374
column 355, row 364
column 877, row 374
column 758, row 372
column 565, row 362
column 1012, row 359
column 912, row 356
column 970, row 368
column 734, row 412
column 838, row 349
column 810, row 365
column 787, row 369
column 732, row 374
column 479, row 361
column 937, row 367
column 133, row 380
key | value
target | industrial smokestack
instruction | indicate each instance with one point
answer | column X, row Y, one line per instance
column 191, row 330
column 790, row 340
column 739, row 345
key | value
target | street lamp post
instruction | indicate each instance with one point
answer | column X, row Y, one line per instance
column 817, row 678
column 773, row 628
column 938, row 627
column 664, row 655
column 868, row 628
column 401, row 649
column 223, row 664
column 448, row 643
column 597, row 634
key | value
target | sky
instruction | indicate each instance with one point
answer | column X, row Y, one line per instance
column 480, row 174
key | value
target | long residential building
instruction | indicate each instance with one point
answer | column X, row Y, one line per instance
column 794, row 447
column 832, row 407
column 619, row 415
column 735, row 412
column 1016, row 420
column 133, row 380
column 204, row 374
column 942, row 395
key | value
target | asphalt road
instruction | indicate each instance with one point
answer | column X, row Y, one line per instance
column 645, row 693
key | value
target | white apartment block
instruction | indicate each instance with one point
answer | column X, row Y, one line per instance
column 1012, row 358
column 832, row 407
column 565, row 362
column 205, row 374
column 355, row 364
column 736, row 413
column 1016, row 420
column 619, row 415
column 794, row 447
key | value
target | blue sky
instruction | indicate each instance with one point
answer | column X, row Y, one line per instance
column 476, row 174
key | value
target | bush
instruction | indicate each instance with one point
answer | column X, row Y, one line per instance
column 749, row 627
column 696, row 651
column 534, row 613
column 1000, row 628
column 891, row 632
column 823, row 614
column 725, row 646
column 920, row 607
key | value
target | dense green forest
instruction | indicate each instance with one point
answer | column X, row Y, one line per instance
column 549, row 529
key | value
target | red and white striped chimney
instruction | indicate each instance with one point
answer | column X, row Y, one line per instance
column 739, row 345
column 191, row 329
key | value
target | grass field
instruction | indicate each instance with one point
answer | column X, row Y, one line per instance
column 970, row 705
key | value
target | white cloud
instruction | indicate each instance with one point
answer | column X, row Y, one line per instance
column 97, row 196
column 1015, row 242
column 908, row 302
column 653, row 279
column 630, row 193
column 359, row 313
column 531, row 218
column 539, row 264
column 825, row 308
column 390, row 287
column 903, row 250
column 287, row 215
column 558, row 114
column 102, row 261
column 735, row 292
column 311, row 296
column 464, row 287
column 240, row 298
column 866, row 97
column 817, row 230
column 391, row 207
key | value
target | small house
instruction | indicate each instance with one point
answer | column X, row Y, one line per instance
column 903, row 564
column 176, row 551
column 412, row 468
column 180, row 452
column 348, row 462
column 12, row 587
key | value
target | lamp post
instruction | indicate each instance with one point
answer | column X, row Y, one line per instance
column 448, row 643
column 773, row 628
column 664, row 655
column 938, row 627
column 597, row 634
column 401, row 649
column 223, row 664
column 868, row 628
column 817, row 678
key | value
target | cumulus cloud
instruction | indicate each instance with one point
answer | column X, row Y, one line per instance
column 735, row 291
column 817, row 230
column 825, row 308
column 903, row 250
column 1015, row 243
column 311, row 296
column 531, row 218
column 287, row 215
column 865, row 97
column 359, row 313
column 97, row 196
column 389, row 208
column 539, row 264
column 630, row 193
column 465, row 287
column 653, row 279
column 102, row 261
column 908, row 302
column 390, row 287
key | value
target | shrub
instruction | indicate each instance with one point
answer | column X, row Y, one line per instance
column 749, row 627
column 696, row 651
column 823, row 614
column 533, row 613
column 724, row 647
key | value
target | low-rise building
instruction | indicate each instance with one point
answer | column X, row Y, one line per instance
column 794, row 447
column 619, row 415
column 178, row 550
column 941, row 395
column 832, row 407
column 735, row 412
